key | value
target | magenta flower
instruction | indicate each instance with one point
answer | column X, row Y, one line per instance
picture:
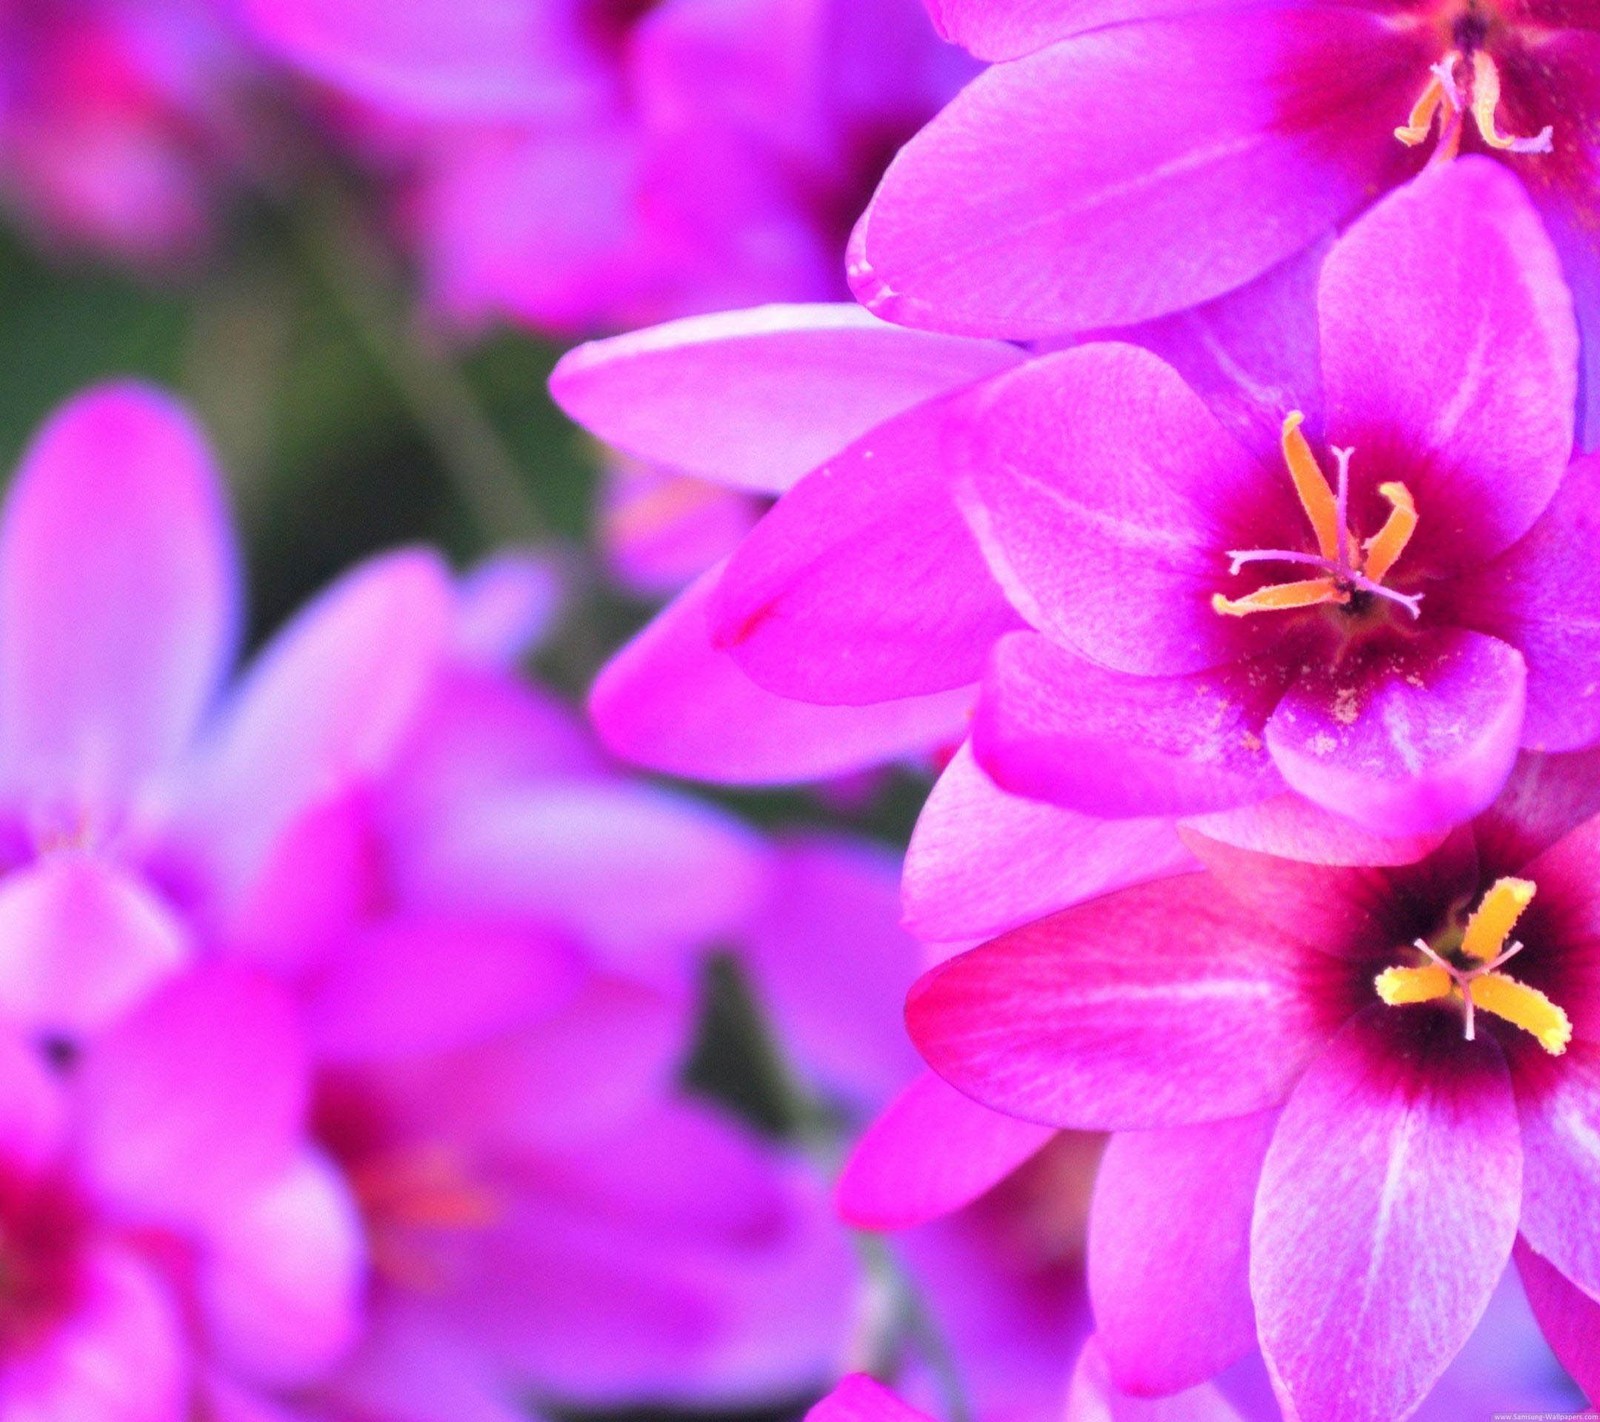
column 1054, row 195
column 1341, row 1084
column 584, row 163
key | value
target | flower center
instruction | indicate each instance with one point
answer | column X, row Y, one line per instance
column 1468, row 972
column 1349, row 572
column 1466, row 81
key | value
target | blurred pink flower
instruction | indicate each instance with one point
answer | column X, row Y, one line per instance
column 588, row 163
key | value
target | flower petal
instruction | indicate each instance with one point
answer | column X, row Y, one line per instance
column 1292, row 827
column 1159, row 1005
column 1450, row 359
column 1568, row 1317
column 1561, row 1174
column 1169, row 1245
column 1014, row 213
column 1386, row 1214
column 1093, row 1396
column 982, row 861
column 119, row 598
column 864, row 583
column 930, row 1153
column 1051, row 726
column 669, row 701
column 795, row 385
column 859, row 1398
column 1408, row 739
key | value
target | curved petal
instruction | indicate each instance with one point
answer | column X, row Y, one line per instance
column 1169, row 1247
column 1410, row 739
column 282, row 1275
column 324, row 705
column 1386, row 1215
column 930, row 1153
column 119, row 597
column 1568, row 1318
column 859, row 1398
column 1561, row 1173
column 1093, row 1396
column 1542, row 596
column 416, row 985
column 1008, row 29
column 1016, row 214
column 1291, row 827
column 982, row 861
column 795, row 385
column 1450, row 359
column 196, row 1096
column 1107, row 497
column 669, row 701
column 1160, row 1005
column 1051, row 726
column 864, row 583
column 81, row 943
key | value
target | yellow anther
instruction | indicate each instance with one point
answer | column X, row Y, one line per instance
column 1384, row 548
column 1420, row 125
column 1398, row 986
column 1485, row 107
column 1280, row 597
column 1316, row 498
column 1492, row 921
column 1525, row 1007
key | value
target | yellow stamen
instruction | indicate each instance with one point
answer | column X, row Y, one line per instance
column 1525, row 1007
column 1398, row 986
column 1493, row 920
column 1316, row 498
column 1280, row 597
column 1420, row 124
column 1384, row 548
column 1486, row 103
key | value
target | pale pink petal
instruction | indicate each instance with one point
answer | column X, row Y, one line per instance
column 198, row 1094
column 669, row 701
column 118, row 599
column 1124, row 1013
column 1169, row 1247
column 1095, row 1397
column 1008, row 29
column 1293, row 827
column 931, row 1152
column 1387, row 1212
column 1450, row 359
column 1568, row 1317
column 35, row 1109
column 1560, row 1111
column 505, row 606
column 795, row 385
column 982, row 861
column 282, row 1275
column 859, row 1398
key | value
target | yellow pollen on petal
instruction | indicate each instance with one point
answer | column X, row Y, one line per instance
column 1316, row 498
column 1485, row 107
column 1525, row 1007
column 1492, row 921
column 1398, row 986
column 1280, row 597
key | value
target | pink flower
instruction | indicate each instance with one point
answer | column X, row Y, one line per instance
column 1057, row 194
column 1341, row 1083
column 586, row 163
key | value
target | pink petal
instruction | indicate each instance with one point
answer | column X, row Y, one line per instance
column 795, row 385
column 505, row 606
column 197, row 1095
column 859, row 1398
column 930, row 1153
column 282, row 1277
column 1387, row 1211
column 1561, row 1169
column 864, row 584
column 1413, row 739
column 982, row 861
column 81, row 943
column 1107, row 497
column 1124, row 1013
column 120, row 1357
column 671, row 702
column 428, row 985
column 1095, row 1397
column 1169, row 1246
column 325, row 704
column 1294, row 828
column 118, row 598
column 1568, row 1317
column 834, row 997
column 1450, row 358
column 1014, row 213
column 35, row 1108
column 1546, row 798
column 1542, row 596
column 1052, row 726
